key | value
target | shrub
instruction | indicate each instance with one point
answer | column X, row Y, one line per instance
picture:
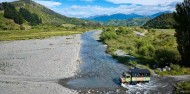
column 164, row 56
column 22, row 27
column 123, row 31
column 147, row 50
column 108, row 34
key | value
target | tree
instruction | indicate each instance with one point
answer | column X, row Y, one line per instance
column 10, row 10
column 25, row 13
column 18, row 19
column 11, row 13
column 32, row 18
column 1, row 6
column 166, row 56
column 182, row 28
column 35, row 20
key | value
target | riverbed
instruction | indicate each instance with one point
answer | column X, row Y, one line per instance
column 35, row 66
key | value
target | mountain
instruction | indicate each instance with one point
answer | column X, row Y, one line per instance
column 163, row 21
column 127, row 22
column 105, row 18
column 158, row 14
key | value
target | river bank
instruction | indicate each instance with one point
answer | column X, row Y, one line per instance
column 35, row 66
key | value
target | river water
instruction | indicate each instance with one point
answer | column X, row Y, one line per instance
column 99, row 72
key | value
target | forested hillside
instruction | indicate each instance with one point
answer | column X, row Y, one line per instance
column 164, row 21
column 19, row 16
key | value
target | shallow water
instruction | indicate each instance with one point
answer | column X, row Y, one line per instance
column 100, row 71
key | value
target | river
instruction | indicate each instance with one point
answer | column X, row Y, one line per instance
column 99, row 73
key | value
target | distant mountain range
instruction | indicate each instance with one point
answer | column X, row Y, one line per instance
column 127, row 22
column 105, row 18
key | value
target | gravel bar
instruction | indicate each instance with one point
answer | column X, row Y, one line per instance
column 35, row 66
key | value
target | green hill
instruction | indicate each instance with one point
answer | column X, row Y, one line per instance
column 164, row 21
column 47, row 16
column 128, row 22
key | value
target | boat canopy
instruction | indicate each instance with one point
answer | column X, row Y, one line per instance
column 140, row 71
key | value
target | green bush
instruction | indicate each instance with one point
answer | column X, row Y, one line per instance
column 164, row 56
column 122, row 30
column 108, row 34
column 148, row 50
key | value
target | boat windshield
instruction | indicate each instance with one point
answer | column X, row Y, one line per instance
column 127, row 76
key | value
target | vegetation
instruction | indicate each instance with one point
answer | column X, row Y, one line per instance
column 183, row 88
column 182, row 17
column 39, row 32
column 11, row 13
column 7, row 24
column 33, row 19
column 164, row 21
column 127, row 22
column 157, row 47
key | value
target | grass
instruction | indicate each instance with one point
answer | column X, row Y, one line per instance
column 38, row 33
column 7, row 23
column 25, row 35
column 183, row 88
column 167, row 31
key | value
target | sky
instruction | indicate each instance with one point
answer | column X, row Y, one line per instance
column 90, row 8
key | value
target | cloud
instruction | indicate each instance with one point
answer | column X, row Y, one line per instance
column 7, row 1
column 48, row 3
column 146, row 7
column 144, row 2
column 87, row 11
column 84, row 11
